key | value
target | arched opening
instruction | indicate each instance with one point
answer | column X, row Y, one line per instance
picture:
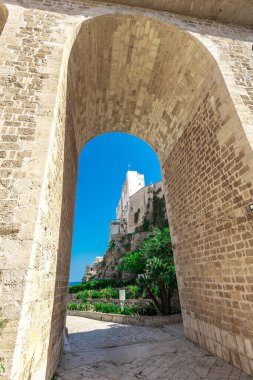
column 106, row 181
column 136, row 75
column 3, row 16
column 103, row 165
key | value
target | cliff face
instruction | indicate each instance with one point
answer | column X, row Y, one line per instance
column 140, row 208
column 118, row 247
column 147, row 209
column 91, row 270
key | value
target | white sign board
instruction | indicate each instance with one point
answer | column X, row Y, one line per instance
column 122, row 294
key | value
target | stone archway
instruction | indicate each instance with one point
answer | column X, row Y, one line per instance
column 149, row 78
column 167, row 89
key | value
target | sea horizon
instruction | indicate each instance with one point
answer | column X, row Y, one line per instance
column 74, row 283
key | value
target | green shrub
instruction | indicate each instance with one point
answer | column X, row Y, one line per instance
column 96, row 294
column 92, row 284
column 113, row 309
column 129, row 310
column 72, row 306
column 110, row 292
column 133, row 291
column 83, row 295
column 85, row 306
column 76, row 288
column 107, row 308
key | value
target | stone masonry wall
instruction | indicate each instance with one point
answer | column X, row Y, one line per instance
column 3, row 16
column 144, row 205
column 180, row 83
column 31, row 170
column 213, row 253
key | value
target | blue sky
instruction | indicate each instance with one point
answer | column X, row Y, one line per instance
column 102, row 170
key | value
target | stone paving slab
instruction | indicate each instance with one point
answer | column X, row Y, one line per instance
column 108, row 351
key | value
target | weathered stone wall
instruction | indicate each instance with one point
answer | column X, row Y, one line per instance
column 134, row 181
column 3, row 16
column 138, row 207
column 184, row 85
column 141, row 207
column 145, row 204
column 213, row 229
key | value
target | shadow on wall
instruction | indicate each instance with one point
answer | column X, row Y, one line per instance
column 69, row 177
column 3, row 17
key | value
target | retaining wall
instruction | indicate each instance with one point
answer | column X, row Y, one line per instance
column 137, row 320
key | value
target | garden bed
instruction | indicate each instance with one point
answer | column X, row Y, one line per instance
column 138, row 320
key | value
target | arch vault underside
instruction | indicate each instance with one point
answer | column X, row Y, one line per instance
column 181, row 84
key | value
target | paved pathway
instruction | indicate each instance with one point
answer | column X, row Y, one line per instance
column 110, row 351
